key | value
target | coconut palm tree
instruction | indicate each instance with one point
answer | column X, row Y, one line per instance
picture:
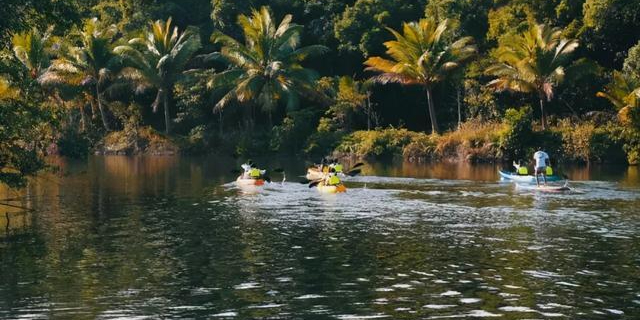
column 422, row 56
column 32, row 50
column 266, row 68
column 624, row 94
column 532, row 62
column 158, row 59
column 90, row 65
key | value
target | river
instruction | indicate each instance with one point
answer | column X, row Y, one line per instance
column 170, row 237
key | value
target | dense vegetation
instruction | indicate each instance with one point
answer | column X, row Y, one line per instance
column 495, row 77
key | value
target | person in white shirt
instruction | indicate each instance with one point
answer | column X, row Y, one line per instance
column 542, row 161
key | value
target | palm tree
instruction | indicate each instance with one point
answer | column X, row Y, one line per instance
column 158, row 59
column 532, row 62
column 422, row 56
column 31, row 49
column 90, row 65
column 267, row 67
column 624, row 94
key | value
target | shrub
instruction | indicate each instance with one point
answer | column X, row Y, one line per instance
column 292, row 134
column 517, row 133
column 377, row 143
column 324, row 140
column 586, row 142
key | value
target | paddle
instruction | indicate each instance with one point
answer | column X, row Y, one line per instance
column 315, row 183
column 359, row 164
column 354, row 172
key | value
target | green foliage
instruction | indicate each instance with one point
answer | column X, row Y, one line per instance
column 88, row 71
column 422, row 56
column 382, row 144
column 360, row 27
column 532, row 62
column 631, row 65
column 73, row 144
column 267, row 68
column 507, row 20
column 157, row 60
column 32, row 49
column 291, row 135
column 517, row 139
column 89, row 66
column 610, row 29
column 23, row 135
column 586, row 142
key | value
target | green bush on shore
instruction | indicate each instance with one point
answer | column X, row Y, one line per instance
column 475, row 141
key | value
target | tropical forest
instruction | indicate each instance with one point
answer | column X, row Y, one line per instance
column 153, row 157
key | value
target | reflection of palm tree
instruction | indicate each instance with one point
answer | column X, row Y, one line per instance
column 532, row 62
column 266, row 69
column 158, row 59
column 422, row 56
column 92, row 64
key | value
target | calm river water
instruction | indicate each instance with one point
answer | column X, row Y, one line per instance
column 169, row 237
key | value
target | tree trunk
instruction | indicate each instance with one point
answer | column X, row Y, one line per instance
column 103, row 113
column 432, row 111
column 167, row 117
column 459, row 109
column 368, row 111
column 543, row 116
column 221, row 124
column 83, row 119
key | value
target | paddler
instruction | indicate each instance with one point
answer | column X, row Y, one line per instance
column 542, row 163
column 251, row 172
column 337, row 167
column 520, row 169
column 332, row 178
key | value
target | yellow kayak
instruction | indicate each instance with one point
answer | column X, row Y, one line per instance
column 331, row 189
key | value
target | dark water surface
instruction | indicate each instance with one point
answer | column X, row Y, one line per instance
column 164, row 237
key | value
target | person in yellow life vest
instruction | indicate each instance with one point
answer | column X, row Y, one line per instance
column 336, row 167
column 255, row 173
column 332, row 179
column 520, row 169
column 251, row 172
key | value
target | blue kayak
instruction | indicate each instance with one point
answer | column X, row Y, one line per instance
column 512, row 176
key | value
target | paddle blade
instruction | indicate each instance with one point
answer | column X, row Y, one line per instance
column 354, row 173
column 359, row 164
column 314, row 183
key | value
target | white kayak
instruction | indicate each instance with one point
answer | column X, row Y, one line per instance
column 249, row 182
column 331, row 189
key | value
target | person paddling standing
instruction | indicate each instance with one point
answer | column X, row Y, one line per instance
column 542, row 161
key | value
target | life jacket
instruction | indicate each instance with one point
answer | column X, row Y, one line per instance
column 254, row 173
column 523, row 171
column 549, row 171
column 338, row 168
column 334, row 180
